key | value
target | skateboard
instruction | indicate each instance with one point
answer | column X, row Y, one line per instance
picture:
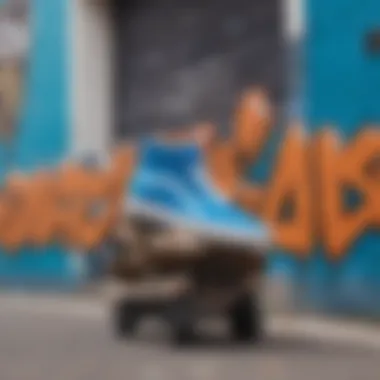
column 181, row 278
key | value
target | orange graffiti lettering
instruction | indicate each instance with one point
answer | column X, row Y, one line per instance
column 74, row 206
column 304, row 200
column 343, row 168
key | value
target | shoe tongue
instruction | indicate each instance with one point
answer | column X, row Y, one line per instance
column 170, row 157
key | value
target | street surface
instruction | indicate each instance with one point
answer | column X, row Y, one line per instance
column 53, row 339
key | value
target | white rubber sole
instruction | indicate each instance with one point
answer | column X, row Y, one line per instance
column 224, row 235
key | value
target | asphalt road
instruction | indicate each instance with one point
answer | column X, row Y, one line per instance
column 63, row 341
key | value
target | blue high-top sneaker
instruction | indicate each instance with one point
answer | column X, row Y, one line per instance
column 171, row 186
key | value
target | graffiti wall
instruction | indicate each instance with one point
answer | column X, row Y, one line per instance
column 33, row 117
column 316, row 180
column 307, row 194
column 342, row 82
column 14, row 59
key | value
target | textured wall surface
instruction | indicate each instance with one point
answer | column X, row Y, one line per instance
column 342, row 90
column 185, row 62
column 42, row 136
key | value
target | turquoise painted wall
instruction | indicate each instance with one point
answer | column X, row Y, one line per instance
column 43, row 135
column 342, row 88
column 338, row 84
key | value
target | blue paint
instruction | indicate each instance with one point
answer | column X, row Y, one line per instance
column 342, row 87
column 43, row 135
column 338, row 85
column 343, row 79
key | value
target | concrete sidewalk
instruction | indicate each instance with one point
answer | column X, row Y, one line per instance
column 91, row 306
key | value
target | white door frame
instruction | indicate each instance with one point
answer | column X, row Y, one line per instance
column 91, row 69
